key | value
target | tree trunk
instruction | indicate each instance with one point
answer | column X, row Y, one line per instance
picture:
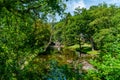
column 50, row 40
column 92, row 44
column 80, row 46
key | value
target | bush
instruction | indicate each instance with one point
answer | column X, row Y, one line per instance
column 107, row 68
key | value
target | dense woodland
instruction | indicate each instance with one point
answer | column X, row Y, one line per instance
column 83, row 46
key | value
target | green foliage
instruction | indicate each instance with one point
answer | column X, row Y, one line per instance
column 68, row 30
column 100, row 26
column 33, row 8
column 39, row 36
column 108, row 40
column 107, row 68
column 23, row 34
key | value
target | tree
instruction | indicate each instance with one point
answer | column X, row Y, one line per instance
column 20, row 42
column 35, row 8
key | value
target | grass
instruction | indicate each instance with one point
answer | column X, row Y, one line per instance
column 74, row 47
column 86, row 45
column 93, row 52
column 86, row 48
column 77, row 46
